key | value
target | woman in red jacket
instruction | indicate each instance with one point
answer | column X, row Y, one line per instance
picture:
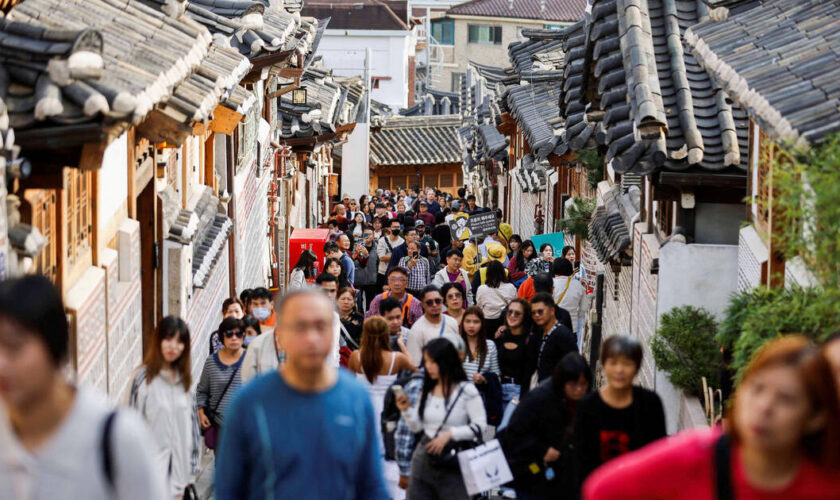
column 784, row 441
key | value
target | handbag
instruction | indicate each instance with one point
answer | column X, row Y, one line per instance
column 211, row 434
column 190, row 493
column 484, row 467
column 448, row 457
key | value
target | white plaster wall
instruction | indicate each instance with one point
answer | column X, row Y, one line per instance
column 355, row 162
column 697, row 275
column 113, row 180
column 344, row 52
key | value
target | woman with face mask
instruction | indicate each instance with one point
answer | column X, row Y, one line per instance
column 538, row 439
column 220, row 379
column 252, row 329
column 619, row 417
column 161, row 393
column 783, row 441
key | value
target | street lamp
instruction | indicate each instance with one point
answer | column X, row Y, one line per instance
column 299, row 96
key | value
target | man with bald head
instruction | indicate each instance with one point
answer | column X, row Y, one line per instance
column 307, row 429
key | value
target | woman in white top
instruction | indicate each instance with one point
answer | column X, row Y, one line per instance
column 450, row 409
column 376, row 367
column 494, row 295
column 304, row 270
column 481, row 356
column 160, row 391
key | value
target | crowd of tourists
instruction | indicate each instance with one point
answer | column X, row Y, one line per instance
column 381, row 361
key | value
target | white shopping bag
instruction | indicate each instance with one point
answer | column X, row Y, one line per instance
column 484, row 467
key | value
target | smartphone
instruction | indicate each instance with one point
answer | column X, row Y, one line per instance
column 397, row 390
column 415, row 254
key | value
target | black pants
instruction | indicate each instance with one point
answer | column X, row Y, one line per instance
column 371, row 291
column 380, row 282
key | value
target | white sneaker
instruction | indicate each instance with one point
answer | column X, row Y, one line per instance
column 508, row 493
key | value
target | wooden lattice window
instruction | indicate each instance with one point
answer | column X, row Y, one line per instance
column 384, row 182
column 764, row 183
column 460, row 179
column 665, row 217
column 430, row 181
column 446, row 180
column 77, row 213
column 40, row 212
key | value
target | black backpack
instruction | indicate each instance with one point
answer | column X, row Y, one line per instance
column 391, row 414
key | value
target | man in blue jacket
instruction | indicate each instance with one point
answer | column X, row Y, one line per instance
column 306, row 430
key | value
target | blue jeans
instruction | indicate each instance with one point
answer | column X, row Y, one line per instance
column 509, row 391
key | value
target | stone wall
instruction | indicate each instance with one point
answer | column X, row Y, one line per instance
column 86, row 304
column 645, row 290
column 204, row 312
column 251, row 226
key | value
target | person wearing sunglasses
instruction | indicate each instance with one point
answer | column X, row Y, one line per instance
column 431, row 325
column 220, row 379
column 511, row 340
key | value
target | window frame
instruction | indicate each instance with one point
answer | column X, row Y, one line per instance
column 494, row 34
column 444, row 23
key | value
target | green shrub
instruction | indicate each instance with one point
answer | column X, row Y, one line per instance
column 684, row 346
column 579, row 215
column 771, row 313
column 594, row 164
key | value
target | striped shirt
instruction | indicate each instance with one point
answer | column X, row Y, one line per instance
column 210, row 393
column 491, row 362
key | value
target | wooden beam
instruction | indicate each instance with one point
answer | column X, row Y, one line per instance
column 200, row 129
column 131, row 161
column 225, row 120
column 91, row 157
column 286, row 89
column 158, row 127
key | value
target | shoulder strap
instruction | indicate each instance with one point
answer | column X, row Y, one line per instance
column 347, row 337
column 568, row 282
column 449, row 410
column 107, row 451
column 723, row 478
column 393, row 358
column 442, row 325
column 227, row 386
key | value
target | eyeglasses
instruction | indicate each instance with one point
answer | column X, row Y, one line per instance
column 397, row 280
column 234, row 333
column 455, row 295
column 514, row 312
column 434, row 302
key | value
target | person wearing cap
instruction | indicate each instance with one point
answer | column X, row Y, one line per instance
column 401, row 251
column 424, row 214
column 472, row 256
column 505, row 230
column 495, row 252
column 431, row 245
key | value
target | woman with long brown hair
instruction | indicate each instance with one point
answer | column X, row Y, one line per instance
column 160, row 391
column 376, row 367
column 482, row 356
column 783, row 441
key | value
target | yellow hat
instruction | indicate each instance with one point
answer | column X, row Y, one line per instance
column 506, row 231
column 495, row 251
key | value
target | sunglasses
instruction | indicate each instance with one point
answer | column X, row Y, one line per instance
column 234, row 333
column 454, row 296
column 539, row 312
column 434, row 302
column 513, row 312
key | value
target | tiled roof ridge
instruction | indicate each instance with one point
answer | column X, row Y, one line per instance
column 547, row 10
column 398, row 121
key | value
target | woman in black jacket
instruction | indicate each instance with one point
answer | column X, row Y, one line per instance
column 538, row 439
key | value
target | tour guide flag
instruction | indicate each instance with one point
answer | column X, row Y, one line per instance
column 554, row 239
column 463, row 227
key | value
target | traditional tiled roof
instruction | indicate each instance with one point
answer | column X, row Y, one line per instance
column 540, row 51
column 70, row 62
column 481, row 88
column 320, row 114
column 781, row 61
column 535, row 108
column 610, row 229
column 435, row 102
column 655, row 106
column 547, row 10
column 532, row 175
column 359, row 14
column 415, row 140
column 206, row 227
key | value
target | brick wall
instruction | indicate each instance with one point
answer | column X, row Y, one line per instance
column 86, row 304
column 643, row 315
column 251, row 227
column 204, row 312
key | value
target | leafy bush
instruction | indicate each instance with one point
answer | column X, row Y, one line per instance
column 756, row 316
column 594, row 164
column 807, row 201
column 684, row 346
column 579, row 215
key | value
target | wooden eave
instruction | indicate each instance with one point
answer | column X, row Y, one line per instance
column 224, row 120
column 157, row 127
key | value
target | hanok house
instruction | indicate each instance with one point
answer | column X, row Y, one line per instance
column 312, row 121
column 632, row 91
column 788, row 85
column 115, row 131
column 409, row 151
column 513, row 135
